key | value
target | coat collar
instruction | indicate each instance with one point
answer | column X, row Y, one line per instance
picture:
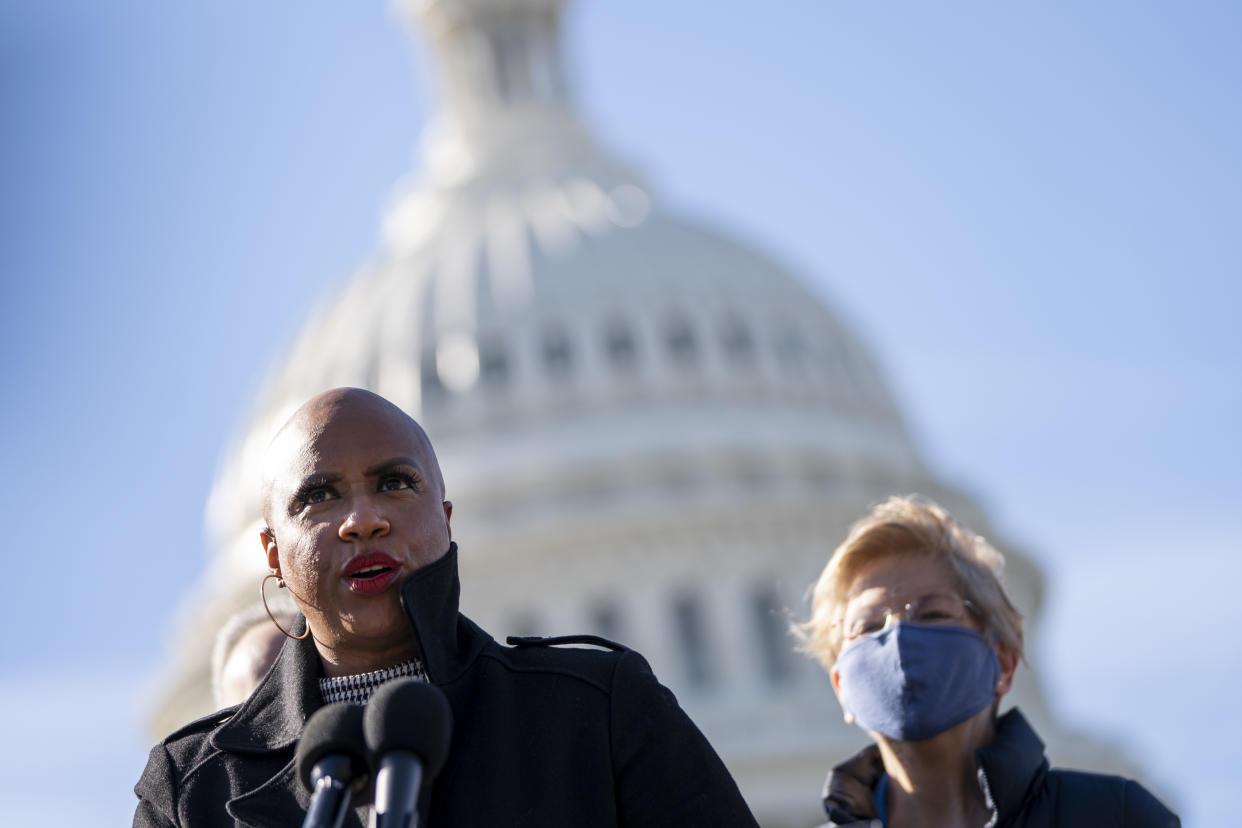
column 273, row 716
column 849, row 789
column 1012, row 763
column 448, row 641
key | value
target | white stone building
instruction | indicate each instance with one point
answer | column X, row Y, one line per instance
column 648, row 430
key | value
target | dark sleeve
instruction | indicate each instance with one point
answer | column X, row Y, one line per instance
column 1145, row 811
column 664, row 770
column 157, row 792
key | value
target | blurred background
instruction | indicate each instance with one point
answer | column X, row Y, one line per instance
column 1026, row 215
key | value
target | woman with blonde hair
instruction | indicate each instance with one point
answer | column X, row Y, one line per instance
column 912, row 622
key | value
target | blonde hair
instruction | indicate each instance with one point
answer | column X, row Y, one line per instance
column 909, row 525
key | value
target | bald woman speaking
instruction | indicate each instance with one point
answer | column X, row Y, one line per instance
column 358, row 529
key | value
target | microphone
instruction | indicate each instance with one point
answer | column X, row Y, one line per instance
column 331, row 758
column 407, row 725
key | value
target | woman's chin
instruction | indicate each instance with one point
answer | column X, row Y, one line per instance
column 380, row 625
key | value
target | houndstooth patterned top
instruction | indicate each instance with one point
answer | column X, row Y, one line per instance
column 357, row 689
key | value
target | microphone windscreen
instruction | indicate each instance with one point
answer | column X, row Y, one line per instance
column 335, row 729
column 408, row 714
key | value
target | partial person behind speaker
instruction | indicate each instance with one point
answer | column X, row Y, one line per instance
column 911, row 620
column 358, row 530
column 246, row 647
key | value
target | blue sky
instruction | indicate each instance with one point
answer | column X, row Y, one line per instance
column 1029, row 211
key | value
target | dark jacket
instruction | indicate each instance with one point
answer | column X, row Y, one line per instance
column 542, row 736
column 1018, row 786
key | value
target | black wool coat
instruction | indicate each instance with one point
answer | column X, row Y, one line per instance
column 1018, row 785
column 542, row 736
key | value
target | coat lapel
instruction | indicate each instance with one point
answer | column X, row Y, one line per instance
column 281, row 800
column 1013, row 763
column 267, row 727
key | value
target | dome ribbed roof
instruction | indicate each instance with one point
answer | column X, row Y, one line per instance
column 567, row 307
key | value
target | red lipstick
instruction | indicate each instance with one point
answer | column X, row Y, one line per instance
column 371, row 572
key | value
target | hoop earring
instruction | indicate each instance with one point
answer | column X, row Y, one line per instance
column 280, row 582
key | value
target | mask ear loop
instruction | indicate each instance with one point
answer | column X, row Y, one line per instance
column 280, row 582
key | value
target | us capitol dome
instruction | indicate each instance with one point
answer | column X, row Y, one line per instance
column 649, row 430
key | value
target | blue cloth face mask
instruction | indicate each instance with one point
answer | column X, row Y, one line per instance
column 912, row 681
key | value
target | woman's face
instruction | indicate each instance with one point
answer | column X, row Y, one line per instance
column 355, row 508
column 884, row 586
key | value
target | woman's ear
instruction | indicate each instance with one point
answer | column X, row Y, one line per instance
column 269, row 549
column 1008, row 666
column 836, row 688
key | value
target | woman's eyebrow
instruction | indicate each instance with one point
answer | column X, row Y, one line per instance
column 391, row 464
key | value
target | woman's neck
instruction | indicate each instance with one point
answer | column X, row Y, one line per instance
column 352, row 660
column 933, row 783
